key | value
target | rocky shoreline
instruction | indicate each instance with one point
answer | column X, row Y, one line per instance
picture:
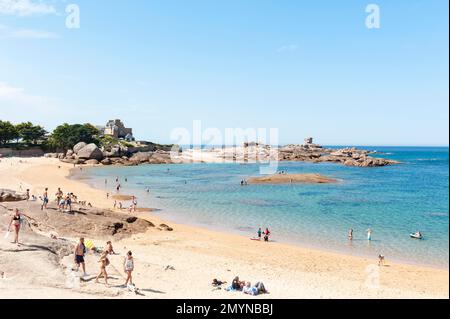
column 91, row 154
column 346, row 156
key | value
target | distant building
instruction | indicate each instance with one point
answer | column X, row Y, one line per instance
column 117, row 129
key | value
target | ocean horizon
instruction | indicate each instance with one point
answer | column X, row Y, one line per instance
column 393, row 201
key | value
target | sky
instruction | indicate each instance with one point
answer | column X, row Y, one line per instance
column 307, row 68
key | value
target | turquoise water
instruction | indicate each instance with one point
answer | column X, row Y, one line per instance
column 393, row 201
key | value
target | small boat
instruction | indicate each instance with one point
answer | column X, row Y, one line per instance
column 416, row 236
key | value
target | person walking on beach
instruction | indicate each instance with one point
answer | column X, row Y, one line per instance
column 59, row 195
column 16, row 221
column 350, row 234
column 128, row 268
column 80, row 251
column 28, row 195
column 69, row 203
column 44, row 199
column 104, row 262
column 369, row 234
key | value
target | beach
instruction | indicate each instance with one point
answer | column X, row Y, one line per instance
column 183, row 262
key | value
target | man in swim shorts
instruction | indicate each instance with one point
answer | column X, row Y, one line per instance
column 80, row 251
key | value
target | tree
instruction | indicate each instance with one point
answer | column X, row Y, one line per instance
column 30, row 133
column 66, row 136
column 8, row 132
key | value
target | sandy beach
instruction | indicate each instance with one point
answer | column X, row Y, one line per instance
column 182, row 263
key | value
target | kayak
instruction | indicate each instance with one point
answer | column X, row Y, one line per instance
column 415, row 236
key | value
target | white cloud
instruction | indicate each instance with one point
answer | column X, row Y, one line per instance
column 25, row 7
column 18, row 96
column 288, row 48
column 7, row 32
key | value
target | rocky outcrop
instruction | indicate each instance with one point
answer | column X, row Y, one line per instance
column 91, row 162
column 89, row 152
column 78, row 147
column 7, row 195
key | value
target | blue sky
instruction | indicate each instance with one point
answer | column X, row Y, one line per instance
column 308, row 68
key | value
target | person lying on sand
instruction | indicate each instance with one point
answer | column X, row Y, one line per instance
column 236, row 284
column 104, row 262
column 254, row 290
column 217, row 283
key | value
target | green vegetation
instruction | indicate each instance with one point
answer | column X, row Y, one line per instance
column 23, row 134
column 65, row 136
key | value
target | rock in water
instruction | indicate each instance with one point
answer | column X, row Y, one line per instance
column 90, row 151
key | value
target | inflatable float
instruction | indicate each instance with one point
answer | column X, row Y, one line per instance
column 416, row 236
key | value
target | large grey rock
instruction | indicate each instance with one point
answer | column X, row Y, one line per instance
column 90, row 151
column 91, row 162
column 7, row 195
column 106, row 161
column 140, row 157
column 78, row 147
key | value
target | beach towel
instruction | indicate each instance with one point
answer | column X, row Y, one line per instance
column 89, row 244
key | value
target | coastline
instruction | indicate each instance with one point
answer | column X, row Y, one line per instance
column 288, row 270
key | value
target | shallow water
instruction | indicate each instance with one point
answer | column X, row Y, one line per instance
column 393, row 201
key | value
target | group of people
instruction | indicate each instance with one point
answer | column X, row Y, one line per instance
column 263, row 234
column 79, row 259
column 368, row 231
column 65, row 202
column 246, row 287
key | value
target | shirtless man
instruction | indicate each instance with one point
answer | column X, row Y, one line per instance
column 44, row 199
column 79, row 253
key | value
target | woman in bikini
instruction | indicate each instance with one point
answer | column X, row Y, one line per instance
column 16, row 222
column 104, row 262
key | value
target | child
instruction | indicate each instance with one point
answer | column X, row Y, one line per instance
column 129, row 267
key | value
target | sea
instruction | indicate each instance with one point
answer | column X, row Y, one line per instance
column 393, row 201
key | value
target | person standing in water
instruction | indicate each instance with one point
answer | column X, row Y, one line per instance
column 259, row 233
column 369, row 234
column 350, row 234
column 266, row 235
